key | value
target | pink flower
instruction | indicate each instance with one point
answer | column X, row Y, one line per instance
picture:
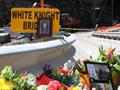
column 54, row 85
column 23, row 75
column 52, row 88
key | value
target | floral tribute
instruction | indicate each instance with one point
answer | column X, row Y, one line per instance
column 60, row 79
column 108, row 56
column 65, row 77
column 14, row 81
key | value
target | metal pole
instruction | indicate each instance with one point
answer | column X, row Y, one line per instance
column 112, row 11
column 94, row 17
column 42, row 3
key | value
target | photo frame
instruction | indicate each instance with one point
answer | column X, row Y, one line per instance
column 44, row 27
column 101, row 86
column 99, row 73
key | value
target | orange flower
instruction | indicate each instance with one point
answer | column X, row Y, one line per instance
column 71, row 88
column 82, row 61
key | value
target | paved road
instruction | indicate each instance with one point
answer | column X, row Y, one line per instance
column 86, row 45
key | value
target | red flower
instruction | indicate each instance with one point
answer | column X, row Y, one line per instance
column 64, row 71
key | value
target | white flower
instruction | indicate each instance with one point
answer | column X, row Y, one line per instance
column 93, row 88
column 43, row 87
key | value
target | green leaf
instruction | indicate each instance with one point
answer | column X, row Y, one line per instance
column 18, row 76
column 117, row 67
column 101, row 47
column 90, row 57
column 15, row 80
column 31, row 79
column 25, row 72
column 114, row 72
column 101, row 52
column 77, row 72
column 118, row 56
column 89, row 60
column 104, row 58
column 15, row 72
column 79, row 62
column 56, row 72
column 100, row 61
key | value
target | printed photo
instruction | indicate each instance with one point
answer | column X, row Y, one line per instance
column 44, row 26
column 98, row 71
column 101, row 86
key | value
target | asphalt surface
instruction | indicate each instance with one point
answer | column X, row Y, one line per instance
column 87, row 45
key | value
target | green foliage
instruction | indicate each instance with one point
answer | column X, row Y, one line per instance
column 101, row 47
column 7, row 73
column 27, row 81
column 117, row 67
column 101, row 52
column 21, row 83
column 68, row 79
column 55, row 72
column 90, row 57
column 114, row 72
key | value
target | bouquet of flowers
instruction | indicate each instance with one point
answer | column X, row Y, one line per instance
column 14, row 81
column 66, row 77
column 107, row 56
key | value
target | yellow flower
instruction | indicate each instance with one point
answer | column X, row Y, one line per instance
column 76, row 88
column 72, row 88
column 6, row 85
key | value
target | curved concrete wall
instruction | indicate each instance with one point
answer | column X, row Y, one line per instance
column 33, row 57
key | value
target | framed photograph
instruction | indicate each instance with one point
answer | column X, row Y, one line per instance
column 99, row 75
column 44, row 27
column 98, row 71
column 101, row 86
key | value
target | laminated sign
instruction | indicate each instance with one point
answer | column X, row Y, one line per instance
column 26, row 19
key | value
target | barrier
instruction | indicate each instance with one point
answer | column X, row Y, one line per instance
column 33, row 57
column 108, row 35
